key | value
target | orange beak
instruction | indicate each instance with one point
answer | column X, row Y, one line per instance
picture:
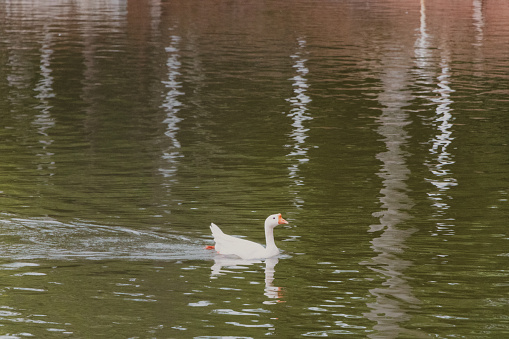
column 281, row 220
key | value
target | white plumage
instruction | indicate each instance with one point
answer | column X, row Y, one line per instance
column 230, row 245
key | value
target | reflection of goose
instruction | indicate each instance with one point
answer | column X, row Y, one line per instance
column 227, row 244
column 271, row 291
column 231, row 263
column 220, row 262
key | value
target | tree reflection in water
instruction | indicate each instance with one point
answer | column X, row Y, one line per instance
column 299, row 114
column 394, row 298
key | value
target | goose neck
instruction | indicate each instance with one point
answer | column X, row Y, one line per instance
column 269, row 237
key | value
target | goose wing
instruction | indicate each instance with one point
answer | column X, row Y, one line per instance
column 227, row 244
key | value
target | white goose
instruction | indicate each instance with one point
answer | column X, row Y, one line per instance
column 227, row 244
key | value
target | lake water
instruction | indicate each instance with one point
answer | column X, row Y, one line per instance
column 379, row 129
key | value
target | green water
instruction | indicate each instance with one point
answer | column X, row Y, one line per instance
column 377, row 128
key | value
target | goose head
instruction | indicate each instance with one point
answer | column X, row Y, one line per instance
column 274, row 220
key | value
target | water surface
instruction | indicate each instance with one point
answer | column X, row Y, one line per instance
column 377, row 128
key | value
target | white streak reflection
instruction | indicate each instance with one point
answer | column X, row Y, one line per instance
column 423, row 51
column 443, row 124
column 478, row 17
column 44, row 88
column 478, row 21
column 299, row 115
column 172, row 106
column 440, row 158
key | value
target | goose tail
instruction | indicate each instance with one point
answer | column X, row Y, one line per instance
column 216, row 231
